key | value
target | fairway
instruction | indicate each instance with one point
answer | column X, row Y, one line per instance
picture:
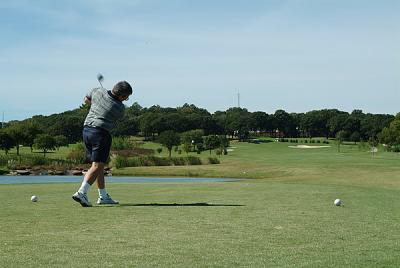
column 283, row 217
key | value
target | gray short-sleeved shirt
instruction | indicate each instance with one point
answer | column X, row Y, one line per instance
column 105, row 109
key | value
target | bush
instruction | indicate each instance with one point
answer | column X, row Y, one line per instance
column 36, row 160
column 200, row 147
column 121, row 143
column 193, row 160
column 213, row 160
column 395, row 149
column 179, row 161
column 15, row 162
column 118, row 161
column 12, row 164
column 160, row 161
column 159, row 150
column 78, row 154
column 3, row 160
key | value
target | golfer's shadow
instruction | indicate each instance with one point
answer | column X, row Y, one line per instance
column 178, row 205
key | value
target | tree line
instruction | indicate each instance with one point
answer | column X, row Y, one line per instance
column 235, row 122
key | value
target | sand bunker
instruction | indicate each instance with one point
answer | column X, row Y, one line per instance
column 309, row 147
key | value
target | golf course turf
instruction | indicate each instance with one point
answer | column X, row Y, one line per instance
column 283, row 216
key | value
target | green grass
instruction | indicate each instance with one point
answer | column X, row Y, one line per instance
column 62, row 153
column 285, row 217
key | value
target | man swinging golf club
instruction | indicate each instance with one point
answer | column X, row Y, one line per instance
column 106, row 108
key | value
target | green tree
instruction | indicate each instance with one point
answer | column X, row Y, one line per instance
column 238, row 122
column 340, row 136
column 391, row 135
column 223, row 144
column 17, row 134
column 61, row 140
column 355, row 137
column 191, row 138
column 147, row 124
column 261, row 122
column 169, row 139
column 45, row 142
column 336, row 123
column 6, row 141
column 211, row 142
column 284, row 122
column 31, row 130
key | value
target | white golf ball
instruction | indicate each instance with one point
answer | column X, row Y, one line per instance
column 338, row 202
column 34, row 198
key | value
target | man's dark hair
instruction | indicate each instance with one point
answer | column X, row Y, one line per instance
column 122, row 89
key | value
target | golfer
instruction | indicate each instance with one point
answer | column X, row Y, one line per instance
column 106, row 108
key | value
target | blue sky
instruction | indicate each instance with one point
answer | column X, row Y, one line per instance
column 296, row 55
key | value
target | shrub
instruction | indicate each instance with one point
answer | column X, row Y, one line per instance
column 213, row 160
column 160, row 161
column 121, row 143
column 3, row 160
column 193, row 160
column 179, row 161
column 118, row 161
column 78, row 154
column 200, row 147
column 11, row 164
column 36, row 161
column 159, row 150
column 134, row 162
column 395, row 149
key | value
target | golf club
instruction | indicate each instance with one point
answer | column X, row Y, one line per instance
column 100, row 78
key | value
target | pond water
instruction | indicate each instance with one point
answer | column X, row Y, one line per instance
column 77, row 179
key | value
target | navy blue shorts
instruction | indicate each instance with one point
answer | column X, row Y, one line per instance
column 98, row 143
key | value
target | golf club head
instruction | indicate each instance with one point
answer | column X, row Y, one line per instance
column 100, row 78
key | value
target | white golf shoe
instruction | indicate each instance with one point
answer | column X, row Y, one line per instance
column 82, row 199
column 106, row 201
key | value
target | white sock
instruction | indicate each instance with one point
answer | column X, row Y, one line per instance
column 102, row 193
column 84, row 187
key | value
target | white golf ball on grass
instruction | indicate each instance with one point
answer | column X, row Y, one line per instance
column 34, row 198
column 338, row 202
